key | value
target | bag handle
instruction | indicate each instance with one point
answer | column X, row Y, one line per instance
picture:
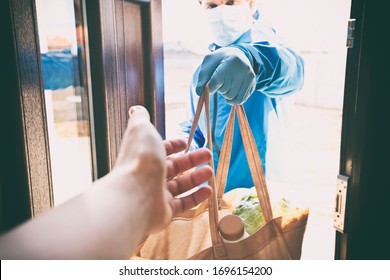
column 255, row 166
column 212, row 201
column 253, row 159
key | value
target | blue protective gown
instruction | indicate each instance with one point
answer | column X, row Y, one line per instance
column 279, row 71
column 60, row 69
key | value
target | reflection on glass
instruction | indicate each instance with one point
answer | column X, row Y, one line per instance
column 62, row 53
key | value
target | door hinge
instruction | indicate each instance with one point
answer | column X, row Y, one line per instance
column 351, row 33
column 340, row 204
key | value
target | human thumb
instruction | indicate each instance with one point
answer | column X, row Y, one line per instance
column 138, row 112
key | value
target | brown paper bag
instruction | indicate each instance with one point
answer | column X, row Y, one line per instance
column 194, row 235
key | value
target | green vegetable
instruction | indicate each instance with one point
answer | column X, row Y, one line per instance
column 250, row 212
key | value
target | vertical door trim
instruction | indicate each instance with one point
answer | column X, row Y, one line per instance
column 111, row 97
column 26, row 172
column 33, row 106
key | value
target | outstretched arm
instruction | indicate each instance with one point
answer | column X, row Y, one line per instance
column 109, row 219
column 279, row 70
column 235, row 72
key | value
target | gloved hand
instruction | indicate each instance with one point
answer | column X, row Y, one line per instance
column 229, row 72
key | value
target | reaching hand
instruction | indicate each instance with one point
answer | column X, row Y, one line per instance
column 108, row 220
column 229, row 72
column 177, row 185
column 143, row 155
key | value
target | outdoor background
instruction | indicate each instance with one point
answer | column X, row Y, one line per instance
column 317, row 31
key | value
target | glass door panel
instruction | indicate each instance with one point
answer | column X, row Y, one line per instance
column 66, row 95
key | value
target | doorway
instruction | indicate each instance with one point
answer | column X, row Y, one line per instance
column 313, row 146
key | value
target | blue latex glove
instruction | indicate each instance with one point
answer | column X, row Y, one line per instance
column 228, row 72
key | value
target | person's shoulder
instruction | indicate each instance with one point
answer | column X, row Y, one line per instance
column 263, row 31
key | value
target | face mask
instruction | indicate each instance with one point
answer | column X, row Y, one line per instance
column 228, row 23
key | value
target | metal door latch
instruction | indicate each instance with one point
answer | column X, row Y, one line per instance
column 340, row 205
column 351, row 33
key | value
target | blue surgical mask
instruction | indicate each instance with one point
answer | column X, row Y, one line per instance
column 229, row 22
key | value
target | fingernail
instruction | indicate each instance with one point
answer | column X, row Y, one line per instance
column 139, row 111
column 134, row 109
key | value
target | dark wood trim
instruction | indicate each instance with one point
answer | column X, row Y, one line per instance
column 26, row 184
column 100, row 80
column 152, row 93
column 126, row 56
column 157, row 67
column 87, row 100
column 33, row 106
column 15, row 202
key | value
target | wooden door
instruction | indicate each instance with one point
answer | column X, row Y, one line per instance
column 365, row 147
column 126, row 68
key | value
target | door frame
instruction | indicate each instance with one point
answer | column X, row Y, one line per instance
column 364, row 154
column 109, row 37
column 26, row 185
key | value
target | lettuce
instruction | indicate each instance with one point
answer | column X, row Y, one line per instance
column 250, row 212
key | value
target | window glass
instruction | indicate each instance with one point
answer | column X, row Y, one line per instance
column 66, row 99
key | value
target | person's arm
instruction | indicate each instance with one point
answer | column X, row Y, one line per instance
column 135, row 199
column 279, row 70
column 236, row 71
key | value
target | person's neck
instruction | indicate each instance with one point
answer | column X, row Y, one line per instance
column 244, row 38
